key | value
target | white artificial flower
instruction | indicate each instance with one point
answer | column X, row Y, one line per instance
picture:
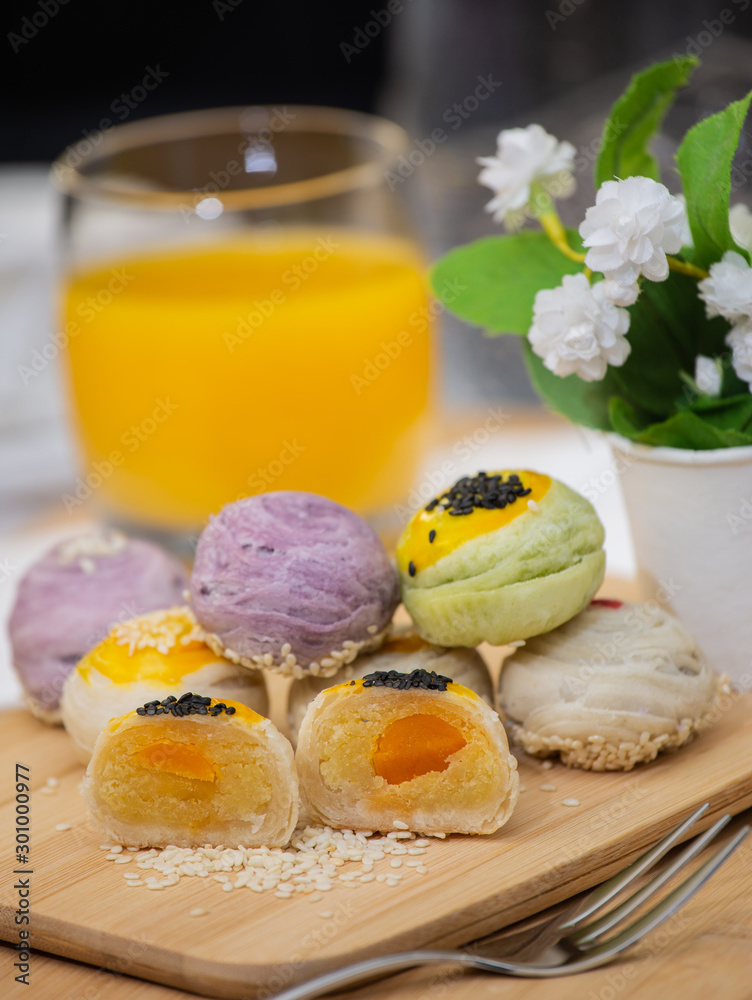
column 525, row 156
column 621, row 295
column 707, row 376
column 740, row 342
column 728, row 290
column 630, row 229
column 576, row 330
column 740, row 222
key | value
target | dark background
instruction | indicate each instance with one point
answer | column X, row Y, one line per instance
column 64, row 79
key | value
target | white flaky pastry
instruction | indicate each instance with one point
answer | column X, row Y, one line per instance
column 407, row 751
column 611, row 688
column 190, row 772
column 404, row 650
column 152, row 656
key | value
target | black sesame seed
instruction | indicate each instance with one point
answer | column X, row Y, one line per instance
column 429, row 681
column 480, row 492
column 431, row 535
column 229, row 710
column 141, row 711
column 411, row 568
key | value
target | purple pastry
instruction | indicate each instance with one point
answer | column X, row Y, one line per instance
column 68, row 601
column 292, row 582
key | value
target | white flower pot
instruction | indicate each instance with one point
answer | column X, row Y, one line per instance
column 691, row 519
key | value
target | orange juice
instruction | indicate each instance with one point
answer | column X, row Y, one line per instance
column 295, row 361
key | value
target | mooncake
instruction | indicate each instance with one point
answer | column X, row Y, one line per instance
column 403, row 651
column 500, row 557
column 609, row 689
column 292, row 582
column 405, row 751
column 158, row 654
column 69, row 600
column 192, row 771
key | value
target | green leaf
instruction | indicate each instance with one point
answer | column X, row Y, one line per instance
column 704, row 158
column 682, row 430
column 733, row 413
column 493, row 282
column 635, row 118
column 582, row 402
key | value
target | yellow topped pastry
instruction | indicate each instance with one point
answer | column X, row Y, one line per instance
column 147, row 657
column 500, row 556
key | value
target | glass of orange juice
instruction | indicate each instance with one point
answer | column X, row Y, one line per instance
column 245, row 309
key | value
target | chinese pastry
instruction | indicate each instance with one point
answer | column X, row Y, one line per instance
column 68, row 601
column 292, row 582
column 192, row 771
column 611, row 688
column 403, row 651
column 149, row 657
column 408, row 751
column 500, row 557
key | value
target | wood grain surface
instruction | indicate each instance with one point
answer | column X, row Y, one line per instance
column 248, row 944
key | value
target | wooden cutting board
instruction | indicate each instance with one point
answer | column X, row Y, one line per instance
column 249, row 944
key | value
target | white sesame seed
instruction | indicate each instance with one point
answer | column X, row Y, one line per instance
column 131, row 875
column 52, row 782
column 547, row 765
column 532, row 505
column 570, row 802
column 122, row 861
column 326, row 914
column 399, row 825
column 197, row 911
column 116, row 849
column 46, row 790
column 62, row 826
column 548, row 788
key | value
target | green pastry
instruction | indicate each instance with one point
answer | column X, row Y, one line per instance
column 499, row 557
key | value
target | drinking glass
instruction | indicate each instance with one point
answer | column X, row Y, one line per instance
column 245, row 310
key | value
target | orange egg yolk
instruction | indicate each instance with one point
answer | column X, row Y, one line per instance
column 175, row 758
column 415, row 745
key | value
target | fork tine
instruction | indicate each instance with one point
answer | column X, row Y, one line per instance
column 591, row 932
column 661, row 911
column 604, row 893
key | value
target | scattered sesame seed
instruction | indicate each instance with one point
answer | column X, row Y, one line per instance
column 47, row 790
column 570, row 802
column 62, row 826
column 372, row 629
column 131, row 875
column 326, row 914
column 533, row 506
column 548, row 788
column 317, row 860
column 399, row 825
column 197, row 911
column 52, row 782
column 523, row 788
column 547, row 765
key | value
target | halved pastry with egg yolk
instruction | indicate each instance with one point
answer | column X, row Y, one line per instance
column 416, row 750
column 192, row 771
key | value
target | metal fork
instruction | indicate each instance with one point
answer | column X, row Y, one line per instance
column 579, row 944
